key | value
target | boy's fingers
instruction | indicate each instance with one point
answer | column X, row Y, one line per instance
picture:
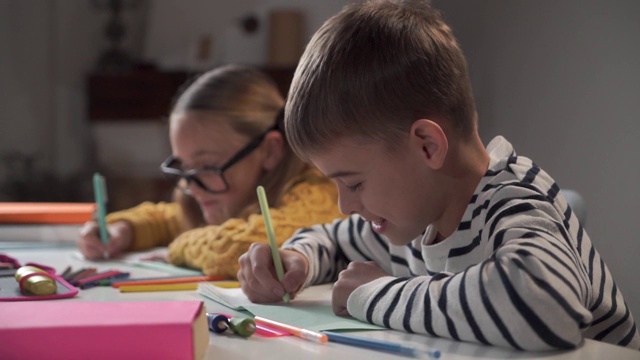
column 339, row 303
column 256, row 274
column 249, row 289
column 296, row 266
column 262, row 266
column 293, row 261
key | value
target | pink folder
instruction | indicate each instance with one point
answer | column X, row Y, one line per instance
column 103, row 330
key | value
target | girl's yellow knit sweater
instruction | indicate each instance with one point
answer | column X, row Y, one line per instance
column 215, row 249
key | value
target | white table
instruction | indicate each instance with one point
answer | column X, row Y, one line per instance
column 233, row 347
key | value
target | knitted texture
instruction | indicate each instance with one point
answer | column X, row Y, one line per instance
column 153, row 224
column 215, row 249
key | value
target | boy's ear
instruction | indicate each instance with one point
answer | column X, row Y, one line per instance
column 274, row 149
column 430, row 140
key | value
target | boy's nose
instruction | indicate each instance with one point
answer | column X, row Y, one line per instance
column 349, row 203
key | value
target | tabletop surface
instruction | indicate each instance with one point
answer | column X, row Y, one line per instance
column 233, row 347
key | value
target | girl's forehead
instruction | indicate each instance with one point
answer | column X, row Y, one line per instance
column 192, row 135
column 204, row 127
column 201, row 120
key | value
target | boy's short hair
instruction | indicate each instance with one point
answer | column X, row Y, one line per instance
column 372, row 70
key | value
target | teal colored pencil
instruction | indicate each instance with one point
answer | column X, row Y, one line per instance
column 100, row 193
column 277, row 262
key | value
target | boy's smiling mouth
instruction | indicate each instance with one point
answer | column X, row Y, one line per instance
column 378, row 226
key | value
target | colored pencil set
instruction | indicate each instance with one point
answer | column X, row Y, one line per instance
column 86, row 278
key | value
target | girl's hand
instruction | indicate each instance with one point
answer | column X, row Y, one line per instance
column 90, row 245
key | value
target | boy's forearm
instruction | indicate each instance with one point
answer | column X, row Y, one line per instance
column 330, row 247
column 321, row 252
column 505, row 301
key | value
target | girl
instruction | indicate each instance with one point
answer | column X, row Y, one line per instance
column 226, row 139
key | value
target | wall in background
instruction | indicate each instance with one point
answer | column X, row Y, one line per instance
column 175, row 27
column 561, row 81
column 25, row 107
column 49, row 48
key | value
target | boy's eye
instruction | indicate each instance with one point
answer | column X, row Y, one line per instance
column 354, row 188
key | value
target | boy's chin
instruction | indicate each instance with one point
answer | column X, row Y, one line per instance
column 401, row 239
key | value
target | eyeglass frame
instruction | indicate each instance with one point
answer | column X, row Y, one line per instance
column 191, row 175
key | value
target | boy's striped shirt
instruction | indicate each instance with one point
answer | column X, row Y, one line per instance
column 520, row 271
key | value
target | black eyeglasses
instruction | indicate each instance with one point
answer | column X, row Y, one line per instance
column 212, row 176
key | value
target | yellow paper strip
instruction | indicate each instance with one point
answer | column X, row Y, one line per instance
column 176, row 287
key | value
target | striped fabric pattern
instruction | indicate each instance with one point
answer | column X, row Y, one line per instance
column 519, row 272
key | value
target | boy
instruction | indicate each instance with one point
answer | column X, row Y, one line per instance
column 446, row 238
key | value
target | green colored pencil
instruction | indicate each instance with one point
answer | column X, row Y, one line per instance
column 277, row 262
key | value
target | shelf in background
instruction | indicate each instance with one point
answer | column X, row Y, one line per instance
column 148, row 94
column 145, row 94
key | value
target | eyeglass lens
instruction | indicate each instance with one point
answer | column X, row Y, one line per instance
column 207, row 179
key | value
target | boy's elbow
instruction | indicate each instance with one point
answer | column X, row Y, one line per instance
column 561, row 333
column 554, row 342
column 533, row 339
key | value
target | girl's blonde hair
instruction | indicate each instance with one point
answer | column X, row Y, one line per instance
column 252, row 103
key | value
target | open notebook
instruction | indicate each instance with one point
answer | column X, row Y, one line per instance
column 309, row 310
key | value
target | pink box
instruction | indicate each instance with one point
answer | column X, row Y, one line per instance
column 103, row 330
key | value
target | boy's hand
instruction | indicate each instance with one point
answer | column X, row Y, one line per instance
column 90, row 245
column 257, row 275
column 356, row 274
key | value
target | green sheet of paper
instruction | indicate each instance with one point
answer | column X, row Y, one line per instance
column 310, row 310
column 314, row 317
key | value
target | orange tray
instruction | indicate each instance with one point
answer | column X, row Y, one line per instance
column 45, row 213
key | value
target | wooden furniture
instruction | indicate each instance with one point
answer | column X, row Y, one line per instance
column 144, row 94
column 149, row 93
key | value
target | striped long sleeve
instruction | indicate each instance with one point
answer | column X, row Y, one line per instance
column 520, row 271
